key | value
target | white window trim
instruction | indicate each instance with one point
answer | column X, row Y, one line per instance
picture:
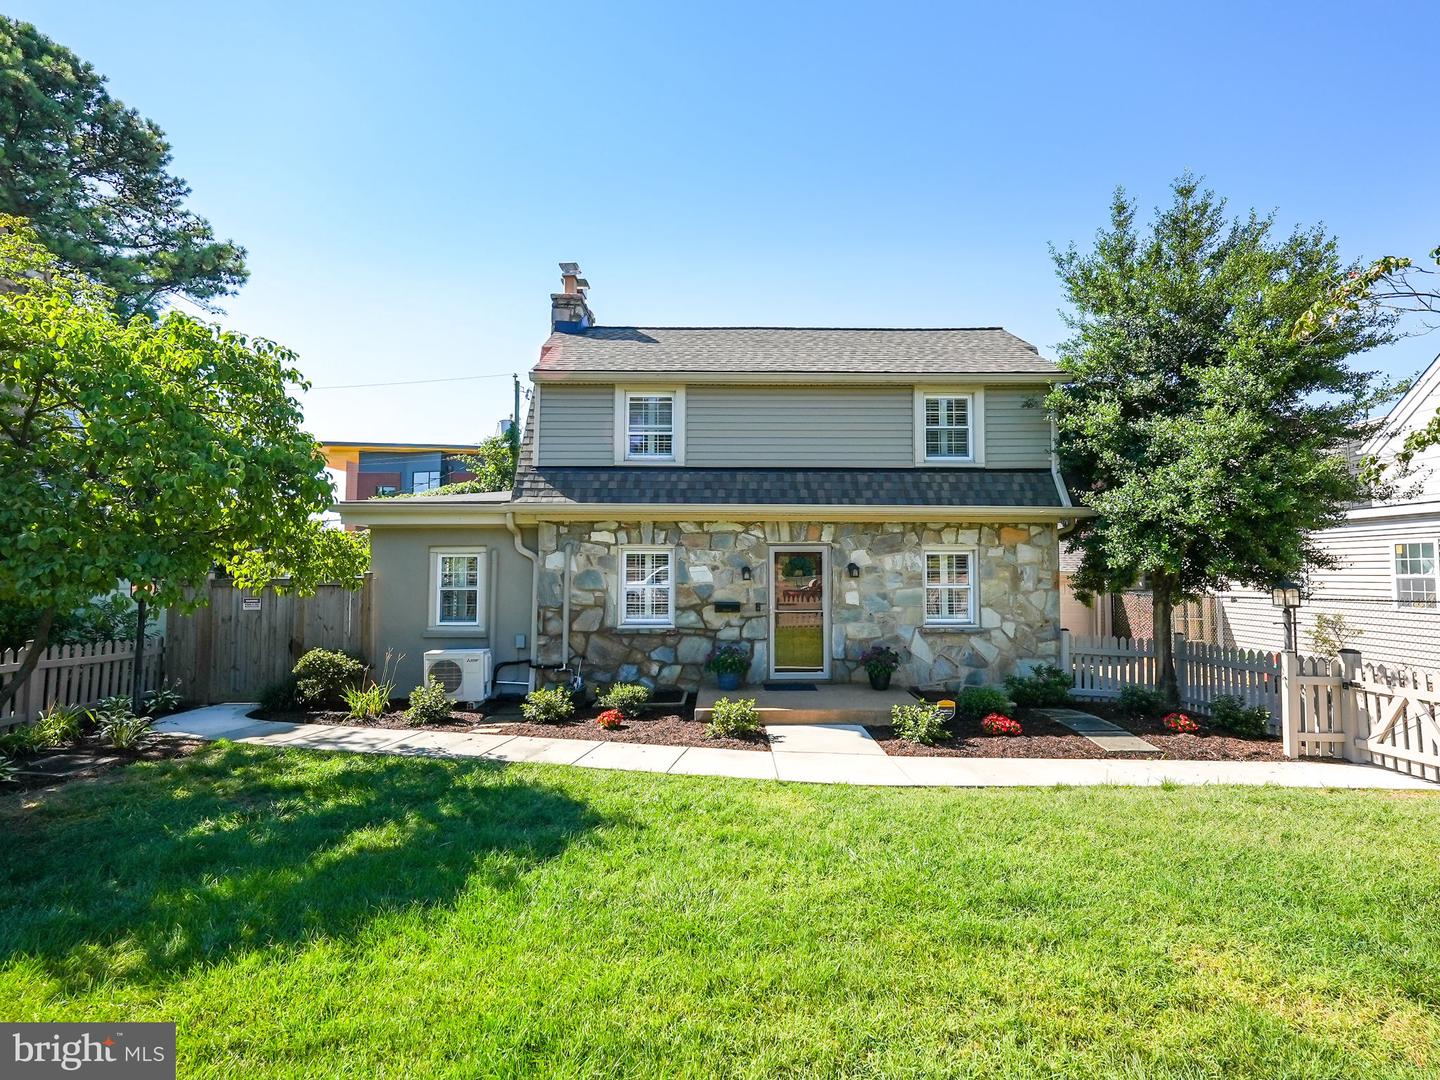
column 621, row 620
column 972, row 617
column 622, row 425
column 976, row 396
column 482, row 589
column 1395, row 575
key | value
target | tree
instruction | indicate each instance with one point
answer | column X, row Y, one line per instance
column 1204, row 434
column 149, row 451
column 93, row 179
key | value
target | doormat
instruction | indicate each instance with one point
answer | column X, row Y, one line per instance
column 790, row 686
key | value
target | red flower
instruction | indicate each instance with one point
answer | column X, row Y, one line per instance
column 611, row 719
column 1000, row 724
column 1178, row 721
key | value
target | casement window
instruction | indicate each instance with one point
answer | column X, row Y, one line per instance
column 647, row 586
column 458, row 584
column 949, row 588
column 1415, row 576
column 650, row 425
column 425, row 481
column 949, row 426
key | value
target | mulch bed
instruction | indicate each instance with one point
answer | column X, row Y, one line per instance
column 1044, row 738
column 670, row 729
column 88, row 758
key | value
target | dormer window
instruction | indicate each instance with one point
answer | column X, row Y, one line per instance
column 949, row 426
column 650, row 426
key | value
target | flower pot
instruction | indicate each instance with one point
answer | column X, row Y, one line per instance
column 728, row 680
column 881, row 681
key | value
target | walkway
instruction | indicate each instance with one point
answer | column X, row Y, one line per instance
column 807, row 753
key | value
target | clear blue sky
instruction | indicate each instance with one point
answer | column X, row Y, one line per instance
column 406, row 176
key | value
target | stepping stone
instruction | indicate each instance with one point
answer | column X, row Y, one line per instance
column 1111, row 738
column 822, row 739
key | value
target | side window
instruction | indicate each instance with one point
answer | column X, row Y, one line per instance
column 459, row 588
column 1415, row 581
column 647, row 590
column 949, row 588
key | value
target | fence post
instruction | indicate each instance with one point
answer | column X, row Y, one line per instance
column 1065, row 652
column 1182, row 676
column 1350, row 711
column 1290, row 703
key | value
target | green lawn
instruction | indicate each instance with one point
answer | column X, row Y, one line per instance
column 339, row 915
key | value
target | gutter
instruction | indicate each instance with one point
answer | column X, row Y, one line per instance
column 534, row 591
column 794, row 378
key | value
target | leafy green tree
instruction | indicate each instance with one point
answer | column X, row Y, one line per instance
column 93, row 179
column 1204, row 434
column 149, row 451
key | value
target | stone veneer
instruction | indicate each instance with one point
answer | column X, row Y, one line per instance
column 1019, row 604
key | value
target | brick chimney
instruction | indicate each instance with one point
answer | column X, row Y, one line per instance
column 569, row 314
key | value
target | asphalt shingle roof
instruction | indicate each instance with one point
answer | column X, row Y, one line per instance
column 982, row 350
column 562, row 485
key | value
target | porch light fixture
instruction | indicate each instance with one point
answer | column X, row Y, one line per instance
column 1285, row 595
column 852, row 570
column 745, row 574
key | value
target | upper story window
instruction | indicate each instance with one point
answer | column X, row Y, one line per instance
column 458, row 588
column 647, row 587
column 650, row 425
column 425, row 481
column 949, row 425
column 1415, row 578
column 949, row 588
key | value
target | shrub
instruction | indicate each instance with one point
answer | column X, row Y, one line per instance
column 428, row 704
column 321, row 676
column 548, row 706
column 279, row 696
column 1232, row 714
column 730, row 719
column 22, row 741
column 918, row 723
column 879, row 661
column 9, row 771
column 115, row 703
column 1178, row 721
column 1044, row 687
column 729, row 660
column 1000, row 724
column 974, row 702
column 59, row 725
column 610, row 719
column 1331, row 634
column 628, row 699
column 1137, row 702
column 367, row 702
column 162, row 700
column 124, row 730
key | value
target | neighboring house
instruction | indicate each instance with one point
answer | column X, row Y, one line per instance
column 1388, row 577
column 804, row 493
column 364, row 470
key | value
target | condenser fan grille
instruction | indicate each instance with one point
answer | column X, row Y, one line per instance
column 447, row 674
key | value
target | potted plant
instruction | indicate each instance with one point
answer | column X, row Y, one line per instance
column 880, row 663
column 729, row 662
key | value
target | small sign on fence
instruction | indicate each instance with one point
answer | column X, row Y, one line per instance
column 250, row 603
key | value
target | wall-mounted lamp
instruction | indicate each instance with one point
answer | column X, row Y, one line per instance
column 745, row 573
column 852, row 570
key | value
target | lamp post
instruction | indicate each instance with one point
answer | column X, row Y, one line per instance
column 141, row 591
column 1285, row 595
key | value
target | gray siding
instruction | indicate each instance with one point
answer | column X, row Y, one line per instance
column 577, row 425
column 800, row 426
column 1016, row 437
column 400, row 559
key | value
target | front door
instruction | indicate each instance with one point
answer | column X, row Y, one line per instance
column 800, row 612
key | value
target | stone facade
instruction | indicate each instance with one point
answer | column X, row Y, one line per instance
column 1018, row 604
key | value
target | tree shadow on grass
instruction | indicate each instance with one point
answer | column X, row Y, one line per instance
column 237, row 849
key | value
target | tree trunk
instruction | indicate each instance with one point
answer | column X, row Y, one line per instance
column 1162, row 606
column 32, row 657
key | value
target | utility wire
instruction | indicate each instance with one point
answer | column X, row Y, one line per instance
column 413, row 382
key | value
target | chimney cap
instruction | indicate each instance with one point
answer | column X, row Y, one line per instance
column 572, row 269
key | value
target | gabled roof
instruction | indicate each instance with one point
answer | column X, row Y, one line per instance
column 799, row 350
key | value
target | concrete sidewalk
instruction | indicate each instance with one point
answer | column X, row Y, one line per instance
column 829, row 754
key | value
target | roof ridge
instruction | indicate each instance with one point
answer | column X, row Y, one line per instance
column 865, row 329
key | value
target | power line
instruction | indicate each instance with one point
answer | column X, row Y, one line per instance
column 413, row 382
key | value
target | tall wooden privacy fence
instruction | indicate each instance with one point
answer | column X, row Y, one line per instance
column 77, row 675
column 1103, row 666
column 240, row 642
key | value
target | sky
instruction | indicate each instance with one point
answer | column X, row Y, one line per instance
column 406, row 177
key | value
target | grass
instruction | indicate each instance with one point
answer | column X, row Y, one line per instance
column 348, row 915
column 799, row 647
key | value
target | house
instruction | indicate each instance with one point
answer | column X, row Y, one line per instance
column 363, row 470
column 803, row 493
column 1387, row 578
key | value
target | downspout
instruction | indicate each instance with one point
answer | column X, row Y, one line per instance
column 534, row 589
column 565, row 606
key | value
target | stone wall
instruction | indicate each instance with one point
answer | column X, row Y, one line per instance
column 1019, row 601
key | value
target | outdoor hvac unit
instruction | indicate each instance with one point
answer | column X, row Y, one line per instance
column 464, row 673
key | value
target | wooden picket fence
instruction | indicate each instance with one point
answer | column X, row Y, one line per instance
column 1103, row 666
column 77, row 675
